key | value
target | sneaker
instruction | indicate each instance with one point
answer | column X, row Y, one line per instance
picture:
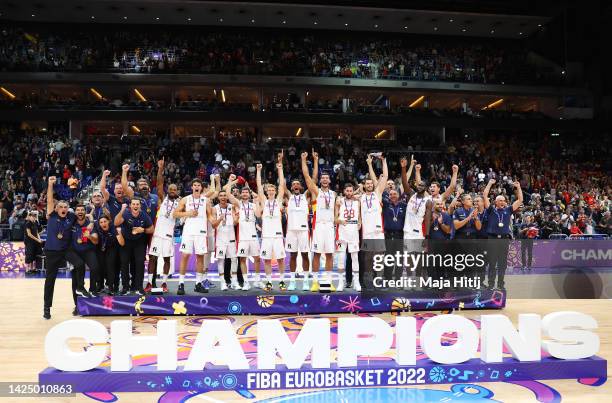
column 94, row 293
column 291, row 285
column 315, row 286
column 282, row 286
column 148, row 288
column 139, row 292
column 47, row 313
column 349, row 284
column 268, row 287
column 305, row 284
column 340, row 287
column 75, row 312
column 356, row 285
column 181, row 289
column 246, row 286
column 164, row 287
column 82, row 292
column 235, row 285
column 207, row 285
column 258, row 284
column 223, row 285
column 199, row 287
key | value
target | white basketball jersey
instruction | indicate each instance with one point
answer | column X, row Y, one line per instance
column 246, row 222
column 325, row 207
column 196, row 225
column 415, row 212
column 225, row 233
column 371, row 214
column 297, row 213
column 164, row 225
column 349, row 212
column 271, row 221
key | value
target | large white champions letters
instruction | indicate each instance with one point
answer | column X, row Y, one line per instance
column 568, row 336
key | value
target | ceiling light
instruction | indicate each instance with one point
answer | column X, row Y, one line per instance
column 252, row 20
column 7, row 93
column 375, row 25
column 451, row 20
column 494, row 104
column 33, row 15
column 315, row 23
column 220, row 19
column 416, row 101
column 540, row 25
column 463, row 29
column 157, row 18
column 346, row 24
column 125, row 18
column 520, row 33
column 405, row 27
column 93, row 17
column 435, row 28
column 188, row 18
column 285, row 21
column 492, row 31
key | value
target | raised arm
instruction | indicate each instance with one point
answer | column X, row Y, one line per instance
column 228, row 189
column 50, row 201
column 119, row 217
column 417, row 174
column 485, row 193
column 103, row 190
column 519, row 196
column 371, row 172
column 124, row 182
column 315, row 166
column 449, row 190
column 281, row 178
column 312, row 187
column 215, row 186
column 160, row 180
column 382, row 183
column 260, row 192
column 406, row 175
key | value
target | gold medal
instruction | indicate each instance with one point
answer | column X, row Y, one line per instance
column 79, row 241
column 60, row 236
column 86, row 234
column 149, row 210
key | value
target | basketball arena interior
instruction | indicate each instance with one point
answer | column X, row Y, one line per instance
column 311, row 201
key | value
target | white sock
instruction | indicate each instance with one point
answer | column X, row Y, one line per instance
column 181, row 278
column 165, row 278
column 234, row 278
column 292, row 276
column 150, row 277
column 198, row 277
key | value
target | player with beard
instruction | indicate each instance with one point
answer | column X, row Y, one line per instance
column 82, row 252
column 348, row 220
column 149, row 201
column 371, row 219
column 418, row 213
column 296, row 239
column 248, row 242
column 135, row 226
column 499, row 216
column 107, row 240
column 197, row 212
column 59, row 224
column 162, row 244
column 224, row 221
column 269, row 208
column 323, row 242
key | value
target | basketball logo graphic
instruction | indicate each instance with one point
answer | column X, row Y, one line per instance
column 155, row 249
column 265, row 301
column 263, row 253
column 242, row 250
column 288, row 245
column 400, row 304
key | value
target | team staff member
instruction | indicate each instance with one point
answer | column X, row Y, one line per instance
column 59, row 224
column 135, row 225
column 32, row 242
column 499, row 216
column 107, row 239
column 394, row 214
column 481, row 247
column 149, row 201
column 82, row 252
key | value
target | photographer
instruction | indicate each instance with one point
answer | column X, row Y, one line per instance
column 32, row 241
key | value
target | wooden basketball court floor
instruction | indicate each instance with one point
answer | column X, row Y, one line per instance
column 22, row 333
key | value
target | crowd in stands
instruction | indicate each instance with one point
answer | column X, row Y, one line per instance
column 566, row 181
column 350, row 55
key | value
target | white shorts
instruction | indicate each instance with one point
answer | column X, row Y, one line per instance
column 194, row 244
column 297, row 241
column 161, row 247
column 225, row 249
column 248, row 248
column 272, row 248
column 323, row 238
column 344, row 246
